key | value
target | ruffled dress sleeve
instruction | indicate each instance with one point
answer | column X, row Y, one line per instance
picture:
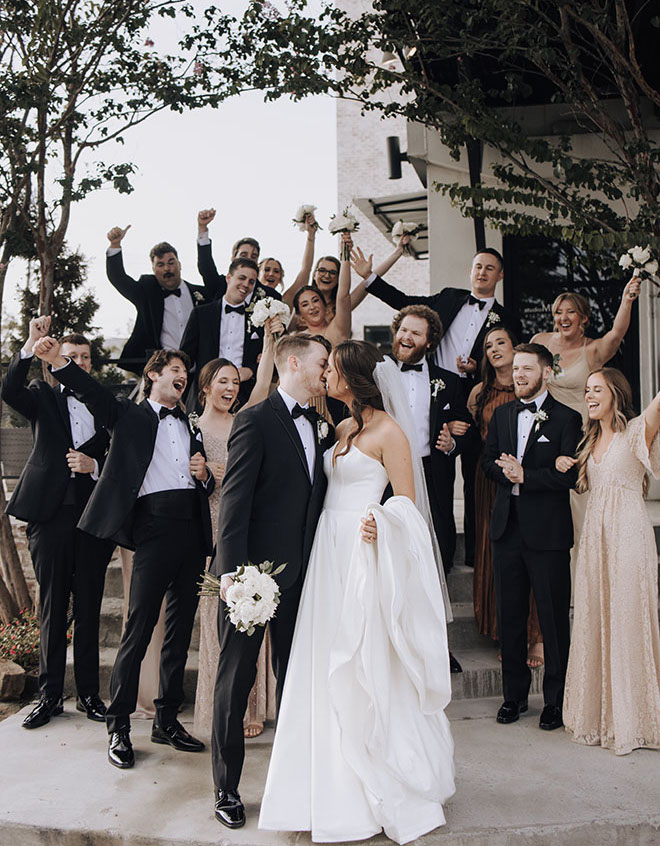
column 636, row 437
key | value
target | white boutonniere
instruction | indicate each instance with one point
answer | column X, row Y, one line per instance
column 557, row 369
column 193, row 423
column 540, row 417
column 437, row 385
column 493, row 318
column 198, row 297
column 322, row 429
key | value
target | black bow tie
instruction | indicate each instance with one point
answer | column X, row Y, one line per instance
column 417, row 367
column 175, row 293
column 175, row 412
column 239, row 309
column 68, row 392
column 308, row 412
column 525, row 406
column 474, row 301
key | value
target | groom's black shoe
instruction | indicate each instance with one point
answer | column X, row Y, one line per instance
column 120, row 749
column 229, row 809
column 176, row 736
column 454, row 665
column 93, row 706
column 46, row 707
column 510, row 710
column 551, row 718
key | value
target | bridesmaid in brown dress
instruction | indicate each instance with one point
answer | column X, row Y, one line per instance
column 495, row 389
column 218, row 390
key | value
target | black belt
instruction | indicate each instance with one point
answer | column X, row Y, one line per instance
column 178, row 505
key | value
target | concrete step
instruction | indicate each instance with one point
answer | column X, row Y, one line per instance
column 460, row 582
column 463, row 632
column 482, row 675
column 111, row 623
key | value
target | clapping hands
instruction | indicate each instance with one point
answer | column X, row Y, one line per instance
column 511, row 467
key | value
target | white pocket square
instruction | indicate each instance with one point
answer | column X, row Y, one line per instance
column 254, row 336
column 446, row 407
column 543, row 440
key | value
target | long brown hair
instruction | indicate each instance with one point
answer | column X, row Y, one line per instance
column 488, row 373
column 355, row 362
column 623, row 412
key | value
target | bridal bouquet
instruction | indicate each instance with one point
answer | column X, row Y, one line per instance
column 344, row 222
column 643, row 262
column 401, row 228
column 266, row 308
column 301, row 215
column 253, row 598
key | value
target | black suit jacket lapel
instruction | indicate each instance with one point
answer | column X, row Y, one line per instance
column 282, row 414
column 513, row 428
column 457, row 305
column 156, row 307
column 63, row 406
column 214, row 330
column 535, row 433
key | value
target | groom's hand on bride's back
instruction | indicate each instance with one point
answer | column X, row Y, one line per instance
column 368, row 530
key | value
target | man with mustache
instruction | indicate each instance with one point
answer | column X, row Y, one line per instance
column 163, row 300
column 532, row 530
column 152, row 497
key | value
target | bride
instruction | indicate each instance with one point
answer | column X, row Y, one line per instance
column 362, row 741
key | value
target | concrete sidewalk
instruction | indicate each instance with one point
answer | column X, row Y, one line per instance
column 516, row 786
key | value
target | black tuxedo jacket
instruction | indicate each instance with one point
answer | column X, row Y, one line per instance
column 109, row 512
column 201, row 338
column 45, row 478
column 544, row 505
column 147, row 297
column 269, row 506
column 217, row 282
column 447, row 303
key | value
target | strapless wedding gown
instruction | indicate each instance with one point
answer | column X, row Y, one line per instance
column 362, row 741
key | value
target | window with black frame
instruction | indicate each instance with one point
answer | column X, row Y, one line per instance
column 538, row 269
column 379, row 336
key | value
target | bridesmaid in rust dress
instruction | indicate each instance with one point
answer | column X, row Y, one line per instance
column 495, row 389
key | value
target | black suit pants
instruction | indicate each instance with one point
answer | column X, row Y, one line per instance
column 168, row 562
column 516, row 568
column 237, row 670
column 440, row 487
column 65, row 560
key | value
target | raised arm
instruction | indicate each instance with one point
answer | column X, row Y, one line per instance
column 378, row 287
column 214, row 283
column 114, row 265
column 14, row 392
column 305, row 271
column 602, row 349
column 340, row 325
column 264, row 380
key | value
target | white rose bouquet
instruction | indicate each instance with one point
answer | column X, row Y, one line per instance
column 643, row 261
column 253, row 598
column 301, row 216
column 267, row 307
column 344, row 222
column 401, row 228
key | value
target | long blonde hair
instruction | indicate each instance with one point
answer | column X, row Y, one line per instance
column 579, row 303
column 623, row 412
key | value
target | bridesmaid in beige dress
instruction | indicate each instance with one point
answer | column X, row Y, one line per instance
column 578, row 356
column 218, row 389
column 612, row 695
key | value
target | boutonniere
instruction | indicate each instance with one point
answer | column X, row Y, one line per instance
column 540, row 417
column 322, row 429
column 557, row 369
column 437, row 385
column 198, row 297
column 193, row 423
column 493, row 318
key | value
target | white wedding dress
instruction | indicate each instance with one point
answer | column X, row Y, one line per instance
column 362, row 741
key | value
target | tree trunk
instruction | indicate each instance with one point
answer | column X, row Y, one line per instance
column 8, row 608
column 11, row 559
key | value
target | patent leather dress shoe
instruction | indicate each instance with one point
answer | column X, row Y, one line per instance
column 176, row 736
column 551, row 718
column 120, row 749
column 46, row 707
column 454, row 664
column 510, row 710
column 229, row 810
column 93, row 706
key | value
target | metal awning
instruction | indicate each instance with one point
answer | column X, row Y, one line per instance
column 384, row 212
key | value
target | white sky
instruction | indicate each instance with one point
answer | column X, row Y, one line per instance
column 254, row 162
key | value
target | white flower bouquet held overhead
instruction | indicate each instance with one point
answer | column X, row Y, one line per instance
column 344, row 222
column 253, row 598
column 644, row 263
column 302, row 214
column 263, row 309
column 412, row 230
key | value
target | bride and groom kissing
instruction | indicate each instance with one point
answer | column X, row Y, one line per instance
column 359, row 640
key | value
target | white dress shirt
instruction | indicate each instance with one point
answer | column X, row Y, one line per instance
column 418, row 387
column 176, row 311
column 525, row 425
column 232, row 334
column 305, row 430
column 169, row 468
column 461, row 334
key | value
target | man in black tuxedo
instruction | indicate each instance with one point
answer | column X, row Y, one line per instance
column 152, row 497
column 532, row 530
column 466, row 317
column 163, row 300
column 54, row 487
column 222, row 329
column 272, row 496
